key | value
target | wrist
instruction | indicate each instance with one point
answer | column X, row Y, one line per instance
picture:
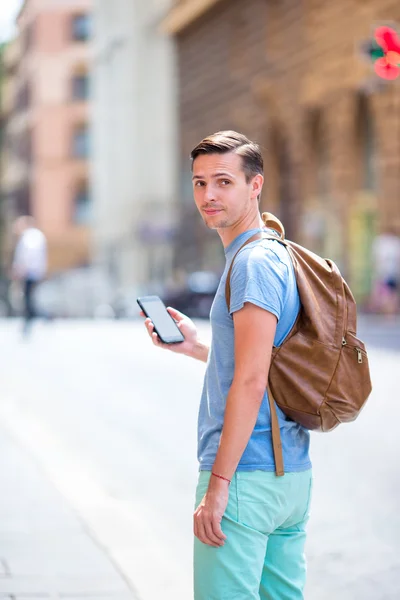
column 199, row 351
column 220, row 478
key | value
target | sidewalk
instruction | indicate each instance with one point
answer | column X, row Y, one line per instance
column 45, row 551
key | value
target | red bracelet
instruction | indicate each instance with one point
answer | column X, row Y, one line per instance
column 220, row 477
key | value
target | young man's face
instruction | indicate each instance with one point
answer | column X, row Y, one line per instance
column 221, row 192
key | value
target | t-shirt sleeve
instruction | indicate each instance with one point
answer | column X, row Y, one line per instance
column 260, row 277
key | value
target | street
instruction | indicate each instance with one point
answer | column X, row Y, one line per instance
column 107, row 423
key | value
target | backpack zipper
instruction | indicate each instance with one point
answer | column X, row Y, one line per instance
column 359, row 354
column 357, row 349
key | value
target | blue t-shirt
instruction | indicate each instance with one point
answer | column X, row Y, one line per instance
column 262, row 274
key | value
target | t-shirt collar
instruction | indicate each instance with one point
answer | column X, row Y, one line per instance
column 238, row 241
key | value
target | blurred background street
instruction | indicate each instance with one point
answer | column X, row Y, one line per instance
column 100, row 105
column 100, row 108
column 110, row 421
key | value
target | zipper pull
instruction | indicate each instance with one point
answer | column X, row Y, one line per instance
column 358, row 350
column 344, row 342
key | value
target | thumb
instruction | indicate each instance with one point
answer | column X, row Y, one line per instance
column 175, row 314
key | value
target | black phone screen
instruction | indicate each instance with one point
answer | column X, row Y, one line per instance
column 164, row 325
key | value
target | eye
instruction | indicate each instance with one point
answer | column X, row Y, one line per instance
column 224, row 182
column 199, row 184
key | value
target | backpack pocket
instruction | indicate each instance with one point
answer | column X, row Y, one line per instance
column 351, row 383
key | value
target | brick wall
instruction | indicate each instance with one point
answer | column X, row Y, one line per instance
column 272, row 69
column 219, row 57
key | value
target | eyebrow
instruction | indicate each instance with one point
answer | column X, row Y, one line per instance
column 219, row 174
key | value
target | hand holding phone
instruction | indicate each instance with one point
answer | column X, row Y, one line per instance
column 192, row 346
column 164, row 325
column 186, row 327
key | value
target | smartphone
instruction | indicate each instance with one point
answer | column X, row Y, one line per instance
column 164, row 325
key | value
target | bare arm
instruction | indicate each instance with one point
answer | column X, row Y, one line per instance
column 254, row 337
column 200, row 351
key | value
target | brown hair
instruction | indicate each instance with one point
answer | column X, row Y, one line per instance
column 223, row 142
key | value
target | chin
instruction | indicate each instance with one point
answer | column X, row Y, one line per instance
column 217, row 224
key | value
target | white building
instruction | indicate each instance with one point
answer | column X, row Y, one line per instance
column 134, row 142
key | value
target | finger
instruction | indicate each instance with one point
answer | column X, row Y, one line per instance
column 156, row 339
column 216, row 526
column 198, row 532
column 211, row 535
column 149, row 326
column 142, row 314
column 175, row 314
column 157, row 342
column 201, row 534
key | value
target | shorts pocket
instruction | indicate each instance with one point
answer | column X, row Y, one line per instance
column 262, row 500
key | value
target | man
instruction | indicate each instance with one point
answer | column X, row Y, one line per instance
column 30, row 262
column 249, row 524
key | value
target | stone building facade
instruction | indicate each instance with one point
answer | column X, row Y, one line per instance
column 46, row 115
column 291, row 75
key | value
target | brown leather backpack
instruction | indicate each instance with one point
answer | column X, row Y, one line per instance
column 319, row 376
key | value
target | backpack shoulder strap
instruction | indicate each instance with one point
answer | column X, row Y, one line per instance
column 228, row 277
column 276, row 436
column 254, row 237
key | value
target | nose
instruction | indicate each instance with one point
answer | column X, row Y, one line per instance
column 209, row 193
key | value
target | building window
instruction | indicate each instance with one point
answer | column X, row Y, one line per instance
column 80, row 143
column 80, row 87
column 81, row 28
column 82, row 205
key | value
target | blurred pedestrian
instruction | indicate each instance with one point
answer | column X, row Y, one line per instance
column 386, row 268
column 29, row 264
column 249, row 524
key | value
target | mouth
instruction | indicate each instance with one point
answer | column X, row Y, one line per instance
column 212, row 211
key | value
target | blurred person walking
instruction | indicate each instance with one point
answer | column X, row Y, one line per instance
column 249, row 524
column 29, row 264
column 386, row 267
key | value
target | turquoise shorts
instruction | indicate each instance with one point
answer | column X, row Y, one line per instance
column 265, row 524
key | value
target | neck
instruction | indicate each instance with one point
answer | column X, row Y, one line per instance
column 228, row 234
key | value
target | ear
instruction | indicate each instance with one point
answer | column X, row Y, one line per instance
column 256, row 186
